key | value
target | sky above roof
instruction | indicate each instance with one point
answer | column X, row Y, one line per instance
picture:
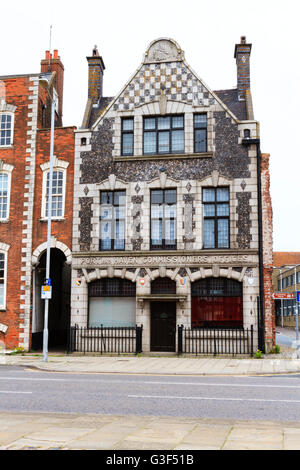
column 207, row 32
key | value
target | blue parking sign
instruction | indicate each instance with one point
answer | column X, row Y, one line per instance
column 298, row 295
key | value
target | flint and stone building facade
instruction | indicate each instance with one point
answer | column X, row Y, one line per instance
column 169, row 191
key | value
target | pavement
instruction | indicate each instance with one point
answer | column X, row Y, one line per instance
column 52, row 431
column 284, row 363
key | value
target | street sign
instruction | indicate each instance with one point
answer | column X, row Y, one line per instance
column 283, row 295
column 46, row 292
column 298, row 295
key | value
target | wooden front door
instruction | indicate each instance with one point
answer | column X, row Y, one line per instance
column 163, row 326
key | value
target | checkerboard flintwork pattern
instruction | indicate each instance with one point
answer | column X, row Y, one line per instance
column 174, row 79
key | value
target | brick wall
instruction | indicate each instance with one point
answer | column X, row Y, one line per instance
column 19, row 92
column 64, row 151
column 267, row 217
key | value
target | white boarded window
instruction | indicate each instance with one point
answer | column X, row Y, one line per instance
column 112, row 303
column 111, row 311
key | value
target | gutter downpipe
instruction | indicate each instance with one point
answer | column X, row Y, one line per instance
column 260, row 313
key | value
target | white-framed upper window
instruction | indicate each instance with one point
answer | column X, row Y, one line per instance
column 4, row 195
column 6, row 129
column 58, row 194
column 58, row 188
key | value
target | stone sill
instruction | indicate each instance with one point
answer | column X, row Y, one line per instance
column 52, row 220
column 168, row 156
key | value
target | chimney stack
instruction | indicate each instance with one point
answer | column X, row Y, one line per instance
column 242, row 55
column 95, row 77
column 52, row 63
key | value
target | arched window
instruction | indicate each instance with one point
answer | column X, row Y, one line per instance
column 112, row 302
column 163, row 285
column 217, row 302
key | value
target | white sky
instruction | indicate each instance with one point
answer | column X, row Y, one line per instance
column 207, row 31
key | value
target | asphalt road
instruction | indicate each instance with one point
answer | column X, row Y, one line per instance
column 247, row 398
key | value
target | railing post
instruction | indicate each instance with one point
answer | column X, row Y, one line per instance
column 138, row 339
column 180, row 334
column 251, row 340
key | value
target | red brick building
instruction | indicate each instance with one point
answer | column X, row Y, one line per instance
column 24, row 165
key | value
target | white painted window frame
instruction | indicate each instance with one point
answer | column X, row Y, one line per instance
column 6, row 169
column 59, row 165
column 9, row 113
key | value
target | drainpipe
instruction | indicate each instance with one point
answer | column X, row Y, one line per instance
column 260, row 314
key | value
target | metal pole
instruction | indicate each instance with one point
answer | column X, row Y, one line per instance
column 281, row 301
column 45, row 333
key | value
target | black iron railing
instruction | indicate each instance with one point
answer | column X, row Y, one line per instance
column 118, row 340
column 215, row 341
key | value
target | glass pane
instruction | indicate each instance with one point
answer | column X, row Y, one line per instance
column 127, row 144
column 157, row 196
column 119, row 198
column 177, row 121
column 200, row 120
column 209, row 210
column 119, row 230
column 105, row 235
column 163, row 123
column 223, row 233
column 156, row 232
column 209, row 234
column 120, row 212
column 223, row 209
column 127, row 124
column 170, row 196
column 106, row 197
column 149, row 123
column 170, row 232
column 163, row 142
column 106, row 213
column 170, row 211
column 200, row 140
column 157, row 211
column 1, row 294
column 222, row 194
column 149, row 142
column 177, row 141
column 208, row 195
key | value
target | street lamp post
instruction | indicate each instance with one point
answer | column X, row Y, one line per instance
column 49, row 216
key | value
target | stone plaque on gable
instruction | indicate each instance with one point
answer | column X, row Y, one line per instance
column 163, row 50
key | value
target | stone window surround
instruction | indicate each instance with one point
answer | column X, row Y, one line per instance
column 113, row 183
column 4, row 250
column 153, row 109
column 7, row 169
column 58, row 165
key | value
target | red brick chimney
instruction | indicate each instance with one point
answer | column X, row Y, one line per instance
column 95, row 80
column 242, row 55
column 52, row 63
